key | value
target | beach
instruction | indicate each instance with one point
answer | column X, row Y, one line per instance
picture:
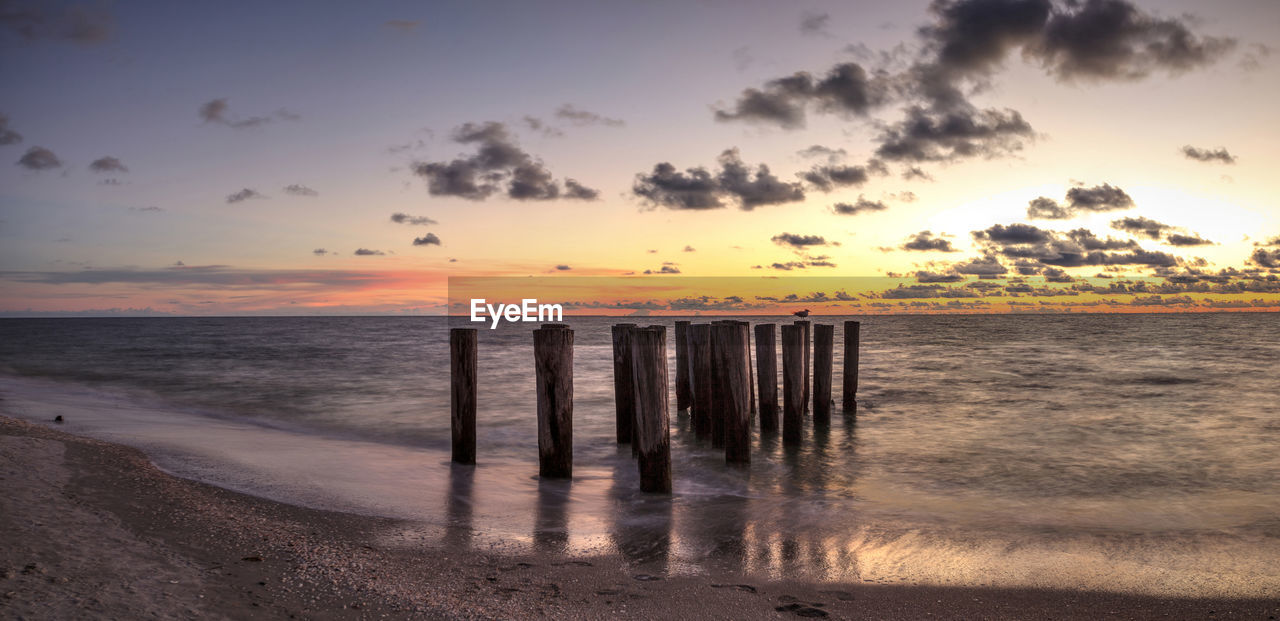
column 93, row 530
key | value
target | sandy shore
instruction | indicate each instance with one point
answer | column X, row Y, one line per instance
column 92, row 530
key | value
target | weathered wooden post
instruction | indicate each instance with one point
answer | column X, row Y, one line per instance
column 653, row 428
column 823, row 356
column 792, row 383
column 731, row 361
column 700, row 357
column 808, row 339
column 462, row 393
column 767, row 375
column 623, row 395
column 719, row 382
column 684, row 385
column 553, row 367
column 751, row 373
column 852, row 332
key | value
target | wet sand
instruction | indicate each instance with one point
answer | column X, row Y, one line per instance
column 90, row 529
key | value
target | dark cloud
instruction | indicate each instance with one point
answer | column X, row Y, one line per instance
column 818, row 150
column 798, row 241
column 1035, row 249
column 243, row 195
column 39, row 158
column 930, row 135
column 498, row 162
column 1089, row 241
column 583, row 118
column 915, row 172
column 430, row 239
column 404, row 218
column 8, row 136
column 108, row 164
column 905, row 196
column 862, row 205
column 846, row 89
column 690, row 249
column 1209, row 155
column 563, row 268
column 365, row 252
column 1265, row 258
column 1179, row 239
column 151, row 209
column 320, row 252
column 925, row 241
column 666, row 269
column 696, row 188
column 82, row 23
column 815, row 24
column 1145, row 227
column 1013, row 234
column 1045, row 208
column 215, row 111
column 573, row 189
column 986, row 266
column 829, row 177
column 1105, row 197
column 925, row 276
column 534, row 123
column 300, row 190
column 1114, row 40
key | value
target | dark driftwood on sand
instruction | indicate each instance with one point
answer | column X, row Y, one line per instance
column 823, row 356
column 462, row 393
column 792, row 383
column 553, row 366
column 852, row 332
column 652, row 430
column 767, row 375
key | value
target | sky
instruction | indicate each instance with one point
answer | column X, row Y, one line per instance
column 349, row 158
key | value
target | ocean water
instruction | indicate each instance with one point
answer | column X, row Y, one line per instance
column 1119, row 452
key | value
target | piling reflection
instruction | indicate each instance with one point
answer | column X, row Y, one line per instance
column 551, row 523
column 640, row 524
column 459, row 505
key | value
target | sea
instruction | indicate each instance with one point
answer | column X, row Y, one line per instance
column 1117, row 452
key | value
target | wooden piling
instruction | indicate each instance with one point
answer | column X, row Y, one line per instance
column 852, row 334
column 808, row 340
column 462, row 393
column 652, row 429
column 731, row 363
column 684, row 385
column 719, row 382
column 700, row 358
column 792, row 383
column 823, row 357
column 623, row 394
column 751, row 370
column 767, row 375
column 553, row 366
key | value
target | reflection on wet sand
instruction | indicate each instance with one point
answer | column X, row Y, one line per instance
column 551, row 525
column 459, row 505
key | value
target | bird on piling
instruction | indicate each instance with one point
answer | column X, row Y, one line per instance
column 802, row 313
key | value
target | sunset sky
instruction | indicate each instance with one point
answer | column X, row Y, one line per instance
column 284, row 157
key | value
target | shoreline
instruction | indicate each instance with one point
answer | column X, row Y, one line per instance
column 94, row 529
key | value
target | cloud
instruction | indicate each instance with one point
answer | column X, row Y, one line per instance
column 151, row 209
column 243, row 195
column 404, row 218
column 1265, row 258
column 534, row 123
column 573, row 189
column 429, row 239
column 905, row 196
column 39, row 158
column 818, row 150
column 1145, row 227
column 798, row 241
column 690, row 249
column 666, row 268
column 1179, row 239
column 402, row 25
column 932, row 136
column 1105, row 197
column 300, row 190
column 697, row 188
column 862, row 205
column 1208, row 155
column 829, row 177
column 1037, row 248
column 925, row 241
column 1013, row 234
column 108, row 164
column 1045, row 208
column 84, row 24
column 320, row 252
column 815, row 24
column 915, row 172
column 497, row 163
column 215, row 111
column 8, row 136
column 846, row 89
column 365, row 252
column 565, row 268
column 582, row 118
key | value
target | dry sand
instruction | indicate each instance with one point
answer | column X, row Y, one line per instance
column 90, row 530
